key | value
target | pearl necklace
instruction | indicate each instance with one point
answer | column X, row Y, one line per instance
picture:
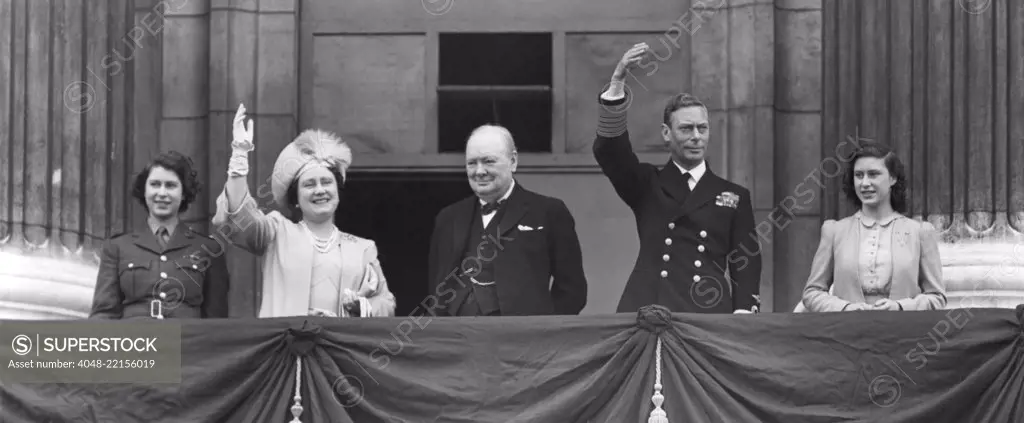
column 321, row 245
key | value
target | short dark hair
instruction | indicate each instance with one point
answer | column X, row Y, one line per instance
column 292, row 194
column 680, row 101
column 872, row 149
column 181, row 165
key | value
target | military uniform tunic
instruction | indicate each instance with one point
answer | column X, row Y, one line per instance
column 187, row 276
column 698, row 250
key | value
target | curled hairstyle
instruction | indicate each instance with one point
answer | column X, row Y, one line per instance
column 181, row 165
column 681, row 101
column 898, row 192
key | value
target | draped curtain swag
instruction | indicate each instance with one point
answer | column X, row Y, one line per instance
column 961, row 365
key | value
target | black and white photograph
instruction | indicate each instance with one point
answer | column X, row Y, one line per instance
column 511, row 211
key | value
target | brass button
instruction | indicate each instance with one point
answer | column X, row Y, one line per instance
column 163, row 258
column 668, row 241
column 163, row 295
column 671, row 225
column 700, row 248
column 697, row 263
column 664, row 273
column 665, row 257
column 696, row 278
column 703, row 234
column 195, row 267
column 163, row 275
column 131, row 265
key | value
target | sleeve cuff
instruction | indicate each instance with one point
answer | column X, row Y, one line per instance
column 223, row 214
column 611, row 121
column 245, row 204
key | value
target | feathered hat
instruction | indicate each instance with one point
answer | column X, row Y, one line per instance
column 313, row 146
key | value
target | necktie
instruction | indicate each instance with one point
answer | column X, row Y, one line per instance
column 491, row 207
column 162, row 237
column 686, row 184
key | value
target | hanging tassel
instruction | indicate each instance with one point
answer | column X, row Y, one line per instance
column 297, row 407
column 658, row 415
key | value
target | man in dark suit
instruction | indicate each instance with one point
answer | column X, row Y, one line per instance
column 698, row 249
column 496, row 253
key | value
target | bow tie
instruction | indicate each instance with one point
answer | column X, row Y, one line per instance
column 491, row 207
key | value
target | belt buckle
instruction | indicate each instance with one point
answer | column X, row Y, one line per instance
column 156, row 309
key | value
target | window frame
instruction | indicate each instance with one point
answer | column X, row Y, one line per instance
column 557, row 89
column 558, row 161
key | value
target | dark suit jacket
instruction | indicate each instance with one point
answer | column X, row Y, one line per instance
column 538, row 242
column 134, row 270
column 697, row 256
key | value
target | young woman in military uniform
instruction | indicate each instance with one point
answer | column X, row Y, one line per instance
column 167, row 269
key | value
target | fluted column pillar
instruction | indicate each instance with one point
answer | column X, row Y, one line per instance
column 801, row 164
column 253, row 50
column 185, row 92
column 732, row 71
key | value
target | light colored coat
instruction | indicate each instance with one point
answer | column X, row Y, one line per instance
column 286, row 256
column 835, row 279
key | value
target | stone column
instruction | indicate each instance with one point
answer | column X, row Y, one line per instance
column 185, row 88
column 253, row 49
column 733, row 50
column 800, row 164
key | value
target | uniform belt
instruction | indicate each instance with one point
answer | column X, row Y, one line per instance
column 476, row 282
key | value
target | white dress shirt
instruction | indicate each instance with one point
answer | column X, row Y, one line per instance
column 487, row 217
column 695, row 174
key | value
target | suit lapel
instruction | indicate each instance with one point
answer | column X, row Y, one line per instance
column 846, row 253
column 515, row 209
column 147, row 241
column 181, row 238
column 706, row 190
column 903, row 264
column 672, row 182
column 675, row 186
column 463, row 217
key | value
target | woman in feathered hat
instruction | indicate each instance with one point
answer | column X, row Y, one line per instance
column 309, row 267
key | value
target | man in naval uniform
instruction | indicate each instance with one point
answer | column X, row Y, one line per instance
column 698, row 249
column 506, row 250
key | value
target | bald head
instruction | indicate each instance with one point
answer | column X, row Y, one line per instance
column 491, row 159
column 492, row 134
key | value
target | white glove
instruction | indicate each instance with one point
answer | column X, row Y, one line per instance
column 241, row 144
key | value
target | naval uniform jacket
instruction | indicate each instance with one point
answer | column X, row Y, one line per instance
column 698, row 252
column 537, row 259
column 191, row 272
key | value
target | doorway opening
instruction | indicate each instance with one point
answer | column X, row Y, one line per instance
column 396, row 210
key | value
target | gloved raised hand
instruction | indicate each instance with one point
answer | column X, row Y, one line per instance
column 241, row 144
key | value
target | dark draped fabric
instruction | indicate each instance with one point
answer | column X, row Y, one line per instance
column 957, row 366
